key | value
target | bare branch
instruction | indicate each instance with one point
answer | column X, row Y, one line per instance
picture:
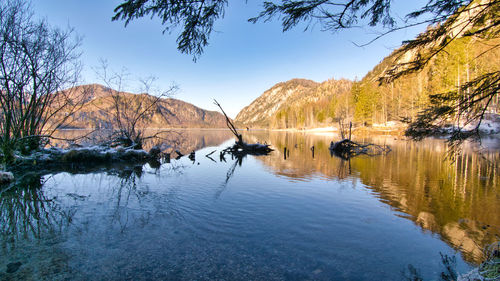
column 37, row 61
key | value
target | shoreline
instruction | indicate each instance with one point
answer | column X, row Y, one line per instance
column 396, row 131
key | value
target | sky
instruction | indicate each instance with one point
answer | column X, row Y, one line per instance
column 241, row 62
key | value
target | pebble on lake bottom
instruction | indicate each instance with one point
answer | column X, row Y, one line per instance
column 6, row 177
column 13, row 267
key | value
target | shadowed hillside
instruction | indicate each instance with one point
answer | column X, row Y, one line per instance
column 98, row 109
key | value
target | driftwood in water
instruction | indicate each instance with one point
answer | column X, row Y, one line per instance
column 346, row 148
column 286, row 153
column 192, row 156
column 179, row 155
column 240, row 147
column 208, row 156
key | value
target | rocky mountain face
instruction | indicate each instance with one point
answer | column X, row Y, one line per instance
column 297, row 99
column 97, row 109
column 264, row 107
column 431, row 72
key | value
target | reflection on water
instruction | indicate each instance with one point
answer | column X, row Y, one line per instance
column 31, row 225
column 183, row 140
column 459, row 200
column 254, row 218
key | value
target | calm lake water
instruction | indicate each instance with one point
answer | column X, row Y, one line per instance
column 256, row 218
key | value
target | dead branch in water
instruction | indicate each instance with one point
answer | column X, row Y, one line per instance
column 240, row 147
column 229, row 124
column 347, row 149
column 343, row 129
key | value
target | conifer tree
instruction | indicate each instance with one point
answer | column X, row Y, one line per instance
column 449, row 21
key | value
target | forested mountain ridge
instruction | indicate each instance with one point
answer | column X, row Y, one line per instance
column 98, row 111
column 371, row 101
column 403, row 98
column 259, row 112
column 295, row 103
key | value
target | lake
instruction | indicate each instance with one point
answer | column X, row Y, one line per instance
column 259, row 217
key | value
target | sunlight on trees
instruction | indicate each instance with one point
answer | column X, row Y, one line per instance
column 419, row 97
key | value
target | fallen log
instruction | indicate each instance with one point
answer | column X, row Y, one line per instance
column 347, row 148
column 240, row 147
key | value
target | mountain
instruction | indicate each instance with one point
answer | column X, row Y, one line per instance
column 448, row 69
column 460, row 62
column 265, row 106
column 293, row 104
column 97, row 109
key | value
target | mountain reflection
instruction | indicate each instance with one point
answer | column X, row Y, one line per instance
column 185, row 140
column 456, row 199
column 106, row 211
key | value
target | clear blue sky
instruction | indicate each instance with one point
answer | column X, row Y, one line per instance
column 241, row 62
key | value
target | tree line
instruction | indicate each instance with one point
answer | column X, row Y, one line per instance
column 370, row 102
column 39, row 71
column 448, row 20
column 451, row 72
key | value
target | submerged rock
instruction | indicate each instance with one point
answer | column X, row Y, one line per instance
column 13, row 267
column 155, row 152
column 6, row 177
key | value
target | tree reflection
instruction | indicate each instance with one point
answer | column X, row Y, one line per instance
column 238, row 161
column 31, row 226
column 126, row 187
column 457, row 199
column 131, row 198
column 26, row 212
column 448, row 273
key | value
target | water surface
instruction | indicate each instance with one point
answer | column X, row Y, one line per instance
column 256, row 218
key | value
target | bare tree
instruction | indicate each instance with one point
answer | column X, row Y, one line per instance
column 449, row 19
column 131, row 112
column 37, row 61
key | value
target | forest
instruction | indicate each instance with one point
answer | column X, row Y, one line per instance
column 368, row 101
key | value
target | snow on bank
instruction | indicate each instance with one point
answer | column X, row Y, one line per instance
column 488, row 125
column 85, row 155
column 389, row 125
column 323, row 129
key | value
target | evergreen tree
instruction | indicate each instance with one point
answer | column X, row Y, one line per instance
column 449, row 20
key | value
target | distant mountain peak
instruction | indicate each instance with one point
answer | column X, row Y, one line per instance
column 97, row 111
column 292, row 93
